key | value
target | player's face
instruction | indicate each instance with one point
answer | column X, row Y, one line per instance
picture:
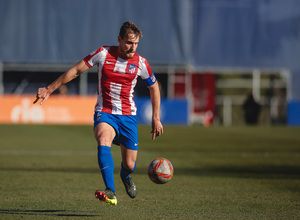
column 128, row 45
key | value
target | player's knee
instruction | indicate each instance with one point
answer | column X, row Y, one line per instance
column 103, row 141
column 104, row 134
column 129, row 165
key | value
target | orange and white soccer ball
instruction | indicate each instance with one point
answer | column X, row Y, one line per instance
column 160, row 170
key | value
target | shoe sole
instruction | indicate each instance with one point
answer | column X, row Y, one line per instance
column 103, row 198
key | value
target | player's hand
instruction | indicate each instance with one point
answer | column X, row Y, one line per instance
column 157, row 129
column 43, row 94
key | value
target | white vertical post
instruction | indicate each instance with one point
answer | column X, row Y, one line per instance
column 287, row 75
column 227, row 111
column 189, row 96
column 83, row 83
column 171, row 82
column 256, row 85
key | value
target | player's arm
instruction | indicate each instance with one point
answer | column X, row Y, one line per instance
column 157, row 128
column 72, row 73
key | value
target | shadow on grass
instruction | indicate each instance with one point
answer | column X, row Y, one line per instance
column 61, row 213
column 51, row 169
column 256, row 172
column 251, row 171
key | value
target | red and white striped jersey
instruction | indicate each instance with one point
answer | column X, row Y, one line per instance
column 117, row 78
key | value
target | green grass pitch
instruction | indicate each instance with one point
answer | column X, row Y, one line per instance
column 51, row 172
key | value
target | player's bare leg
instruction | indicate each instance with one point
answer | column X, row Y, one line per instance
column 104, row 134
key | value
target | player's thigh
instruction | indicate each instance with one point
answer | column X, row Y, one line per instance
column 104, row 134
column 128, row 157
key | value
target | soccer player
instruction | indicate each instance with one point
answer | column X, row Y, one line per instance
column 115, row 110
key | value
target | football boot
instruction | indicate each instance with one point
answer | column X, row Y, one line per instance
column 107, row 196
column 130, row 187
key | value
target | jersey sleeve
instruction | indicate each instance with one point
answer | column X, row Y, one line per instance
column 146, row 73
column 95, row 57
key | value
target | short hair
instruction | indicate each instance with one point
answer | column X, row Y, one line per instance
column 130, row 27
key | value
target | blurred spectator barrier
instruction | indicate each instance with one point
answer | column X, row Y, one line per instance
column 74, row 109
column 212, row 95
column 294, row 113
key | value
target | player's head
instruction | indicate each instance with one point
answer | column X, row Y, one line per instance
column 130, row 27
column 128, row 39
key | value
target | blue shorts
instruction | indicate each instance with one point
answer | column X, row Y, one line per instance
column 124, row 125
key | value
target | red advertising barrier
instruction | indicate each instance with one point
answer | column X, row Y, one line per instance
column 203, row 89
column 58, row 109
column 200, row 88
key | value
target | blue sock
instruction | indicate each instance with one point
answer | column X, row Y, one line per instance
column 106, row 164
column 125, row 173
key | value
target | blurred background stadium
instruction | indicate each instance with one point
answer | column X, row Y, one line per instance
column 223, row 62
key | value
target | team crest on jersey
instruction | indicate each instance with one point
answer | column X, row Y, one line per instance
column 132, row 68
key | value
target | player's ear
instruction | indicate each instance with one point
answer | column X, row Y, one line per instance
column 119, row 39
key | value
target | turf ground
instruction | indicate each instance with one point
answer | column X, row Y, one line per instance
column 51, row 172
